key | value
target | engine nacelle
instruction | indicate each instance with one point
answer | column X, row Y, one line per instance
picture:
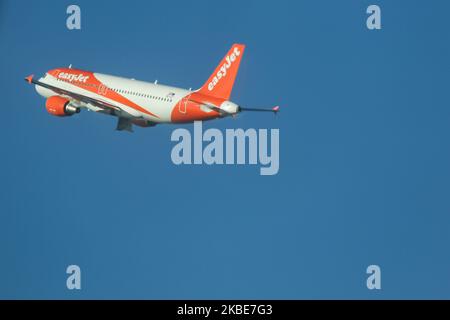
column 60, row 107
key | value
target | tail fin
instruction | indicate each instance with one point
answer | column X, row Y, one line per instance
column 220, row 83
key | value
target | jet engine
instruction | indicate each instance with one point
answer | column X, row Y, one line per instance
column 60, row 107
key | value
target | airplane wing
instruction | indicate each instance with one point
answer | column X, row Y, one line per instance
column 105, row 106
column 216, row 108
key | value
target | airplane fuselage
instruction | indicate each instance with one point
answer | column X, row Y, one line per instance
column 145, row 104
column 152, row 102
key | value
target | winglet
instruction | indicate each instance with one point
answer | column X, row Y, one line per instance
column 276, row 109
column 29, row 78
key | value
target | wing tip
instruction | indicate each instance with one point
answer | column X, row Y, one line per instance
column 29, row 79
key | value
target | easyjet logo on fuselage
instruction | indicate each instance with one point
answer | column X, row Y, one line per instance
column 223, row 69
column 73, row 77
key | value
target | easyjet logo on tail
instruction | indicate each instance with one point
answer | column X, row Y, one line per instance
column 73, row 77
column 222, row 72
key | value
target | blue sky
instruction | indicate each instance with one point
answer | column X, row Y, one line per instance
column 364, row 154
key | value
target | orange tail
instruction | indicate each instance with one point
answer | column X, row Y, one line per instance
column 220, row 83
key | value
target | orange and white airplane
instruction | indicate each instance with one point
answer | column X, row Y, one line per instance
column 142, row 103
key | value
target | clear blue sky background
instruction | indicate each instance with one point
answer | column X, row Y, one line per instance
column 364, row 149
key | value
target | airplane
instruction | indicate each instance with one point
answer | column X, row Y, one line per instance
column 145, row 104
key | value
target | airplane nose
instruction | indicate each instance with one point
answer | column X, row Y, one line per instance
column 46, row 93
